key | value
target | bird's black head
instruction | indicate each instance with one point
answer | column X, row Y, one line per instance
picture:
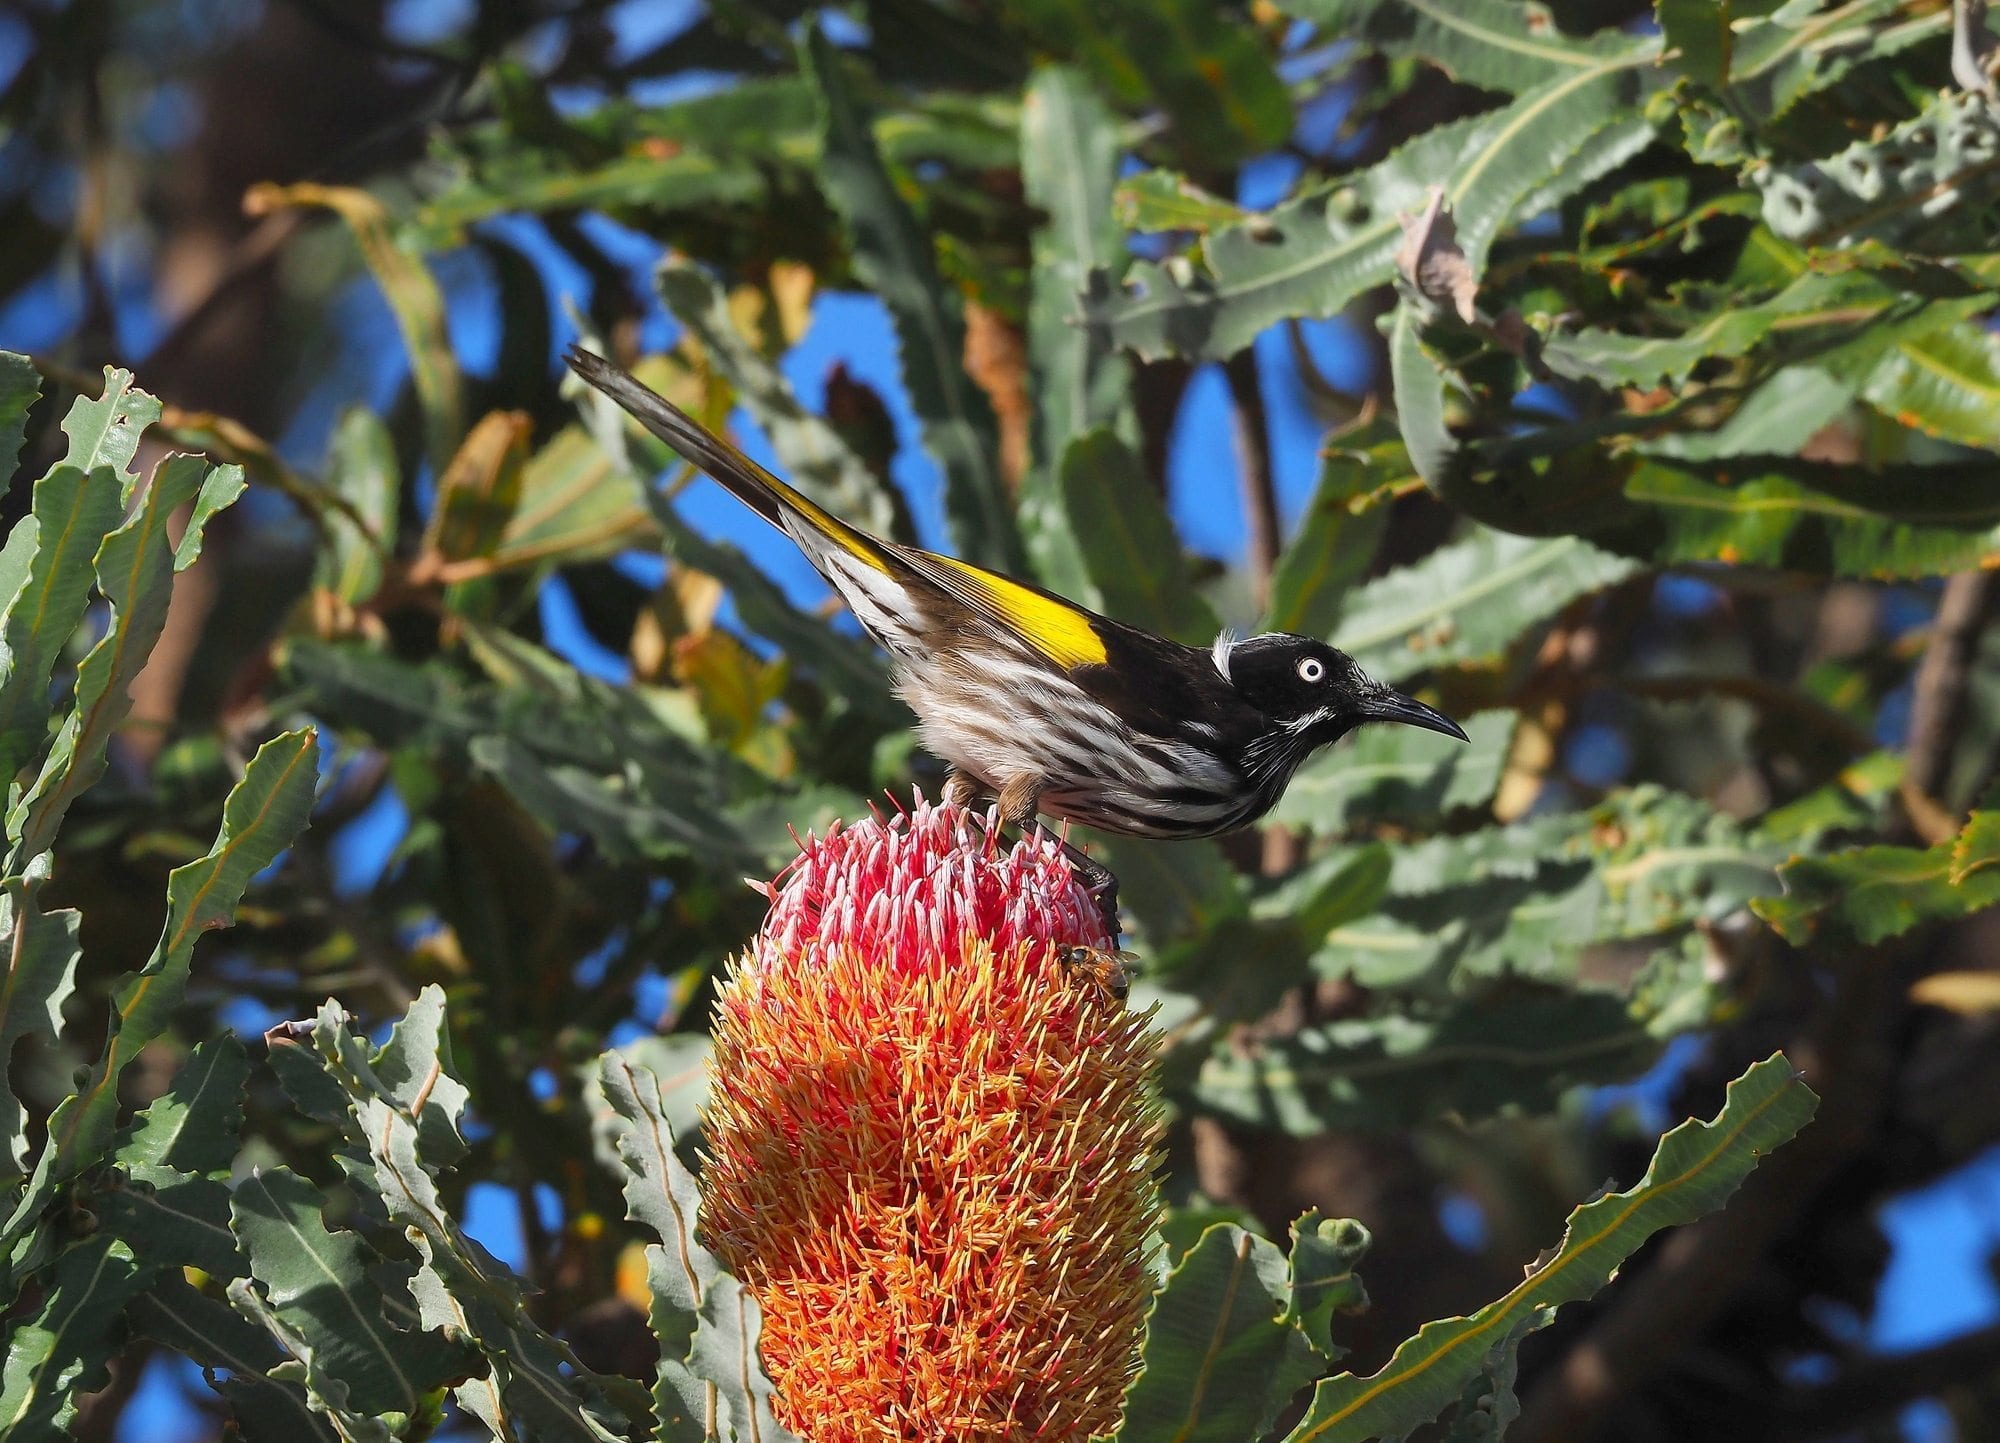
column 1314, row 694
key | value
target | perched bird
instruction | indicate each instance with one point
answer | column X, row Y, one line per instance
column 1052, row 709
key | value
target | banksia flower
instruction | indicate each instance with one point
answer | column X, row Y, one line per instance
column 932, row 1140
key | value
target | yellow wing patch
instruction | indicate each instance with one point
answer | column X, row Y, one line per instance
column 1057, row 630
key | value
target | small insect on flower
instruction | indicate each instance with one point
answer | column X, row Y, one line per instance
column 1110, row 970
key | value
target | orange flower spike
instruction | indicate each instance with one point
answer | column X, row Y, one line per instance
column 932, row 1141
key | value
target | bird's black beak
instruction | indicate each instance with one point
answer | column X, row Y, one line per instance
column 1393, row 706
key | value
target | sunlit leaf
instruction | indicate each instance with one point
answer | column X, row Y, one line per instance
column 362, row 471
column 264, row 813
column 1069, row 160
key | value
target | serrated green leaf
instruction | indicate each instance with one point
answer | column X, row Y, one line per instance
column 1944, row 384
column 710, row 1384
column 48, row 573
column 1858, row 799
column 1417, row 381
column 1778, row 418
column 20, row 388
column 1695, row 1169
column 1069, row 160
column 1525, row 899
column 1820, row 518
column 534, row 1385
column 679, row 1061
column 894, row 258
column 362, row 471
column 1610, row 356
column 60, row 1348
column 1221, row 1356
column 660, row 1194
column 1469, row 600
column 219, row 490
column 1313, row 255
column 135, row 568
column 1869, row 894
column 1488, row 1406
column 1704, row 32
column 1398, row 774
column 174, row 1208
column 1127, row 542
column 651, row 180
column 323, row 1285
column 1490, row 43
column 173, row 1314
column 816, row 459
column 42, row 953
column 325, row 1390
column 733, row 148
column 1520, row 1047
column 1926, row 183
column 725, row 1355
column 105, row 431
column 262, row 816
column 1323, row 1256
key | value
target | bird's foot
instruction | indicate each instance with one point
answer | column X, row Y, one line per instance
column 1100, row 882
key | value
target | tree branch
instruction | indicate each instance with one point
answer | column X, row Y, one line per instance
column 1938, row 706
column 1250, row 425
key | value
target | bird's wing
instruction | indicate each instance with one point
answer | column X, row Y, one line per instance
column 1059, row 630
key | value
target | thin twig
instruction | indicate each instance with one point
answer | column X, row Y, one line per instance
column 1250, row 425
column 1937, row 706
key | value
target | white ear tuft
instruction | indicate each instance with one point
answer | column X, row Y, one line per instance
column 1224, row 644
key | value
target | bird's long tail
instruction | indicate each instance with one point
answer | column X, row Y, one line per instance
column 748, row 482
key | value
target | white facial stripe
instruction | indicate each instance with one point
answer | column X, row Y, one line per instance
column 1310, row 719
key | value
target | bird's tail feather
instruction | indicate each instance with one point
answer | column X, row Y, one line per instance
column 750, row 483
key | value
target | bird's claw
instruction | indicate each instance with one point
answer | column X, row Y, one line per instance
column 1101, row 883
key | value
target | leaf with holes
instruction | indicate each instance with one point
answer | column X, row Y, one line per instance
column 1469, row 600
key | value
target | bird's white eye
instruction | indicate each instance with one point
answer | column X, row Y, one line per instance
column 1311, row 668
